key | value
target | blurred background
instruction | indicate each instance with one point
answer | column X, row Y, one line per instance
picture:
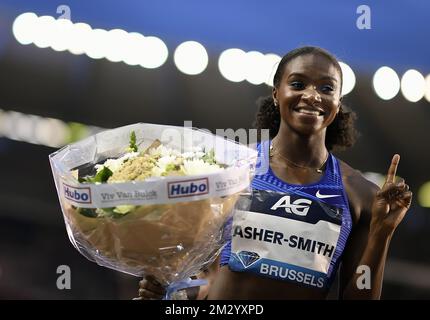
column 71, row 68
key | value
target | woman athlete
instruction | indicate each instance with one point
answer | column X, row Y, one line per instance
column 310, row 213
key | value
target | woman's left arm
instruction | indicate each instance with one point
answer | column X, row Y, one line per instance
column 370, row 239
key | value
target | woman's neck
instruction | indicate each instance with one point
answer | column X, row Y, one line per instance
column 308, row 151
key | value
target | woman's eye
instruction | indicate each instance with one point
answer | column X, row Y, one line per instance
column 327, row 88
column 297, row 85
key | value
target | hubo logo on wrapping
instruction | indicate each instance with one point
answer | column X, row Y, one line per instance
column 299, row 207
column 81, row 195
column 188, row 188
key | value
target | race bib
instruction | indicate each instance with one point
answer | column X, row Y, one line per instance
column 286, row 236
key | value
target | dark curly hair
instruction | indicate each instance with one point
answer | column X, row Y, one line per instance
column 340, row 133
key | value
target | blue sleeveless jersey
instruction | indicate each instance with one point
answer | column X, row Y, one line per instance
column 291, row 230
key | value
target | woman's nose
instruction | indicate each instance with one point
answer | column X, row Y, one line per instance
column 311, row 95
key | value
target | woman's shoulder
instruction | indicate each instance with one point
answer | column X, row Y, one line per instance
column 360, row 190
column 356, row 177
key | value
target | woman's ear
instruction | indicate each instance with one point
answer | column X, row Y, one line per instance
column 339, row 105
column 275, row 96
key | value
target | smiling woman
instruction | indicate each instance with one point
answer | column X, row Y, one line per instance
column 309, row 213
column 340, row 132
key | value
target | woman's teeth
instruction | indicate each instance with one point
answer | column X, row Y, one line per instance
column 309, row 112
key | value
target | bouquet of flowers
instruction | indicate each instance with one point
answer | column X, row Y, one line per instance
column 150, row 199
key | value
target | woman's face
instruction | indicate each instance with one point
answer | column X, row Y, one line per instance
column 308, row 95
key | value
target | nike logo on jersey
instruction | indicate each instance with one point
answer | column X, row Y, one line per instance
column 324, row 196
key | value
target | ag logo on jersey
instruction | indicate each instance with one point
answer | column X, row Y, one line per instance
column 299, row 207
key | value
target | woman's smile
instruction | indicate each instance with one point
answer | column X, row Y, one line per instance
column 309, row 111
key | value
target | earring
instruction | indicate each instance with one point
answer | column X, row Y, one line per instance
column 275, row 102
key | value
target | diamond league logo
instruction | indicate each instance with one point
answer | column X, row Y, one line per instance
column 248, row 258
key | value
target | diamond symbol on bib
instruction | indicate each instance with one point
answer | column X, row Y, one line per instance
column 248, row 258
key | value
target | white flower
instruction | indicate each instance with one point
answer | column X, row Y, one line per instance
column 188, row 155
column 162, row 163
column 199, row 154
column 129, row 156
column 167, row 160
column 193, row 155
column 114, row 164
column 157, row 171
column 163, row 151
column 198, row 166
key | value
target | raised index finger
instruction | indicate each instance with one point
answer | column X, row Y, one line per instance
column 393, row 168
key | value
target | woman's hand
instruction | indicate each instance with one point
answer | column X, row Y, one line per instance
column 150, row 289
column 390, row 203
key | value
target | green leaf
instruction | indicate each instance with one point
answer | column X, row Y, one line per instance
column 210, row 157
column 90, row 213
column 133, row 146
column 124, row 209
column 103, row 175
column 105, row 212
column 112, row 212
